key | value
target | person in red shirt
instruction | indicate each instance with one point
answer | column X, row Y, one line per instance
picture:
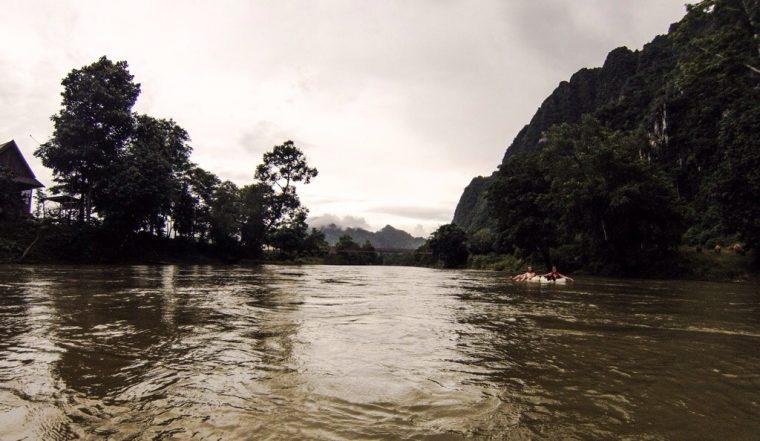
column 554, row 274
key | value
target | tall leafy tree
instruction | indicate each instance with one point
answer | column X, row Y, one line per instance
column 91, row 129
column 282, row 168
column 147, row 176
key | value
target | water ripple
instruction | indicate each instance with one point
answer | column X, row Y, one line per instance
column 321, row 352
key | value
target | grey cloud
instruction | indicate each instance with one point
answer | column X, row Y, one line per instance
column 555, row 33
column 341, row 221
column 415, row 212
column 263, row 136
column 565, row 34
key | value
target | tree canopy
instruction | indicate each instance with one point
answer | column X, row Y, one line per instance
column 91, row 129
column 448, row 245
column 589, row 197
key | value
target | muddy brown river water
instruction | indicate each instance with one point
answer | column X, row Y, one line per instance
column 327, row 352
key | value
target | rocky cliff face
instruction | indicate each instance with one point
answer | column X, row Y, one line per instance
column 690, row 98
column 619, row 93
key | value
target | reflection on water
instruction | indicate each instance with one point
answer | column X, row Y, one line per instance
column 320, row 352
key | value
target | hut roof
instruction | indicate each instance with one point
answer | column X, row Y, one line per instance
column 12, row 159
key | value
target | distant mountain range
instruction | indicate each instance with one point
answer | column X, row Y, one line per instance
column 386, row 238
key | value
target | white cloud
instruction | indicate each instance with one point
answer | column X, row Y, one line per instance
column 341, row 221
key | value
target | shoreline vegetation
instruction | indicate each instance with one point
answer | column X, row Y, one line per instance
column 45, row 242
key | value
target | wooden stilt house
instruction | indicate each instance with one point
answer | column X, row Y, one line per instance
column 13, row 163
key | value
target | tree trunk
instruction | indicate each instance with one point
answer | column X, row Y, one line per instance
column 81, row 204
column 752, row 11
column 88, row 203
column 753, row 16
column 31, row 245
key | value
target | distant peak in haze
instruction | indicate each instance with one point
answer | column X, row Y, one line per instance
column 387, row 237
column 328, row 219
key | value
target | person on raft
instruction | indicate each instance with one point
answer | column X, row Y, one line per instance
column 525, row 276
column 554, row 274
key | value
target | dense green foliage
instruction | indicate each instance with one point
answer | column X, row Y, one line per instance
column 588, row 198
column 448, row 245
column 669, row 154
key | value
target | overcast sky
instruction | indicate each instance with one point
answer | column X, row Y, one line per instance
column 397, row 103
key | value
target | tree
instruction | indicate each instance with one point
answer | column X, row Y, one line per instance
column 196, row 201
column 315, row 243
column 348, row 251
column 91, row 129
column 481, row 241
column 449, row 246
column 282, row 168
column 368, row 254
column 520, row 197
column 254, row 211
column 289, row 238
column 738, row 180
column 146, row 178
column 226, row 215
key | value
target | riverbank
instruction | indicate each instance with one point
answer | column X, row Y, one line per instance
column 49, row 243
column 39, row 243
column 685, row 264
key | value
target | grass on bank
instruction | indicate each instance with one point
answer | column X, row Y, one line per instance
column 708, row 265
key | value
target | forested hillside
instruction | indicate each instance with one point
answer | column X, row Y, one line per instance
column 623, row 163
column 384, row 239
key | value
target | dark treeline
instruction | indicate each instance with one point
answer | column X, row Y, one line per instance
column 134, row 193
column 625, row 164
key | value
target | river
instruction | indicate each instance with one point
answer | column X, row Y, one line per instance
column 328, row 352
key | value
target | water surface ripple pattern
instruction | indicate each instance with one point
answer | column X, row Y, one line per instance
column 326, row 352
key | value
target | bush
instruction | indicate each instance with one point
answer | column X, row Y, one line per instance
column 495, row 262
